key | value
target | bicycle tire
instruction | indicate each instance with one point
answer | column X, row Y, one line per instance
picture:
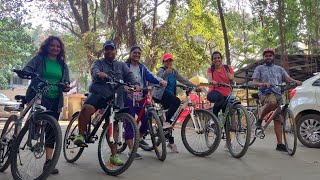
column 293, row 128
column 6, row 163
column 244, row 145
column 57, row 149
column 131, row 157
column 253, row 119
column 68, row 139
column 159, row 133
column 216, row 131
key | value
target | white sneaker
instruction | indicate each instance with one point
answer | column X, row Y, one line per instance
column 166, row 125
column 173, row 148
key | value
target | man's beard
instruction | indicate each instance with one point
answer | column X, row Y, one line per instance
column 269, row 63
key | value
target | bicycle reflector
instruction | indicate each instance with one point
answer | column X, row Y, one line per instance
column 292, row 93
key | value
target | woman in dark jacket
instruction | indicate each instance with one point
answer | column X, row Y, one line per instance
column 49, row 64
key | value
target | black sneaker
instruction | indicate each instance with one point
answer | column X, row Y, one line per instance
column 54, row 171
column 143, row 142
column 281, row 147
column 138, row 156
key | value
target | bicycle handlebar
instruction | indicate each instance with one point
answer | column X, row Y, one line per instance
column 30, row 75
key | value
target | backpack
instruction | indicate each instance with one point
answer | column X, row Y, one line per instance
column 225, row 66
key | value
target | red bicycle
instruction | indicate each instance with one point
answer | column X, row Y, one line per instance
column 155, row 133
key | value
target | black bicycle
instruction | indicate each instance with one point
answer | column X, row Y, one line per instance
column 116, row 119
column 235, row 121
column 24, row 146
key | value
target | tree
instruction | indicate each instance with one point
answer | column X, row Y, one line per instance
column 225, row 34
column 16, row 47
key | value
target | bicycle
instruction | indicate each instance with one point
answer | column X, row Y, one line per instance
column 234, row 120
column 155, row 130
column 112, row 133
column 288, row 122
column 198, row 120
column 16, row 150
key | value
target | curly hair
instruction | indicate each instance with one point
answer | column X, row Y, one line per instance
column 43, row 49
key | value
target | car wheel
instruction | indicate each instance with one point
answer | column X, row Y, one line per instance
column 309, row 130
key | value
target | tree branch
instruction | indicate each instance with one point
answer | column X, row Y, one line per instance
column 77, row 16
column 69, row 28
column 149, row 11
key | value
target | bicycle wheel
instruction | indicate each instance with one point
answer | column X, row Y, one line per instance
column 6, row 142
column 71, row 151
column 289, row 129
column 202, row 136
column 29, row 150
column 253, row 119
column 104, row 150
column 157, row 135
column 238, row 131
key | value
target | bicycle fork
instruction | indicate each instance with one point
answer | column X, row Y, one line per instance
column 196, row 121
column 112, row 127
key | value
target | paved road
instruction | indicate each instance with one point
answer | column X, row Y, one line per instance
column 262, row 162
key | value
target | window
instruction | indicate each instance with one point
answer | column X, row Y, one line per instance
column 316, row 83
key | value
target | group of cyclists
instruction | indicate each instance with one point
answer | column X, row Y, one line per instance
column 50, row 64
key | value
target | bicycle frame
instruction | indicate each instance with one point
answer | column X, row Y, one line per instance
column 271, row 116
column 183, row 105
column 31, row 107
column 110, row 112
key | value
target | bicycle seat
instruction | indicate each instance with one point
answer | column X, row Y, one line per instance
column 20, row 98
column 255, row 96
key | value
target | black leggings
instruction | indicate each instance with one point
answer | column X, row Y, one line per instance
column 218, row 99
column 50, row 104
column 171, row 102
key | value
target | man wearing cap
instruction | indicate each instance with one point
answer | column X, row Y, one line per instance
column 100, row 92
column 167, row 96
column 264, row 76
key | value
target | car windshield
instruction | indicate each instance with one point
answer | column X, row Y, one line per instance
column 4, row 98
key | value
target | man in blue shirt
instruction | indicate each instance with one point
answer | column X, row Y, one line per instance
column 264, row 76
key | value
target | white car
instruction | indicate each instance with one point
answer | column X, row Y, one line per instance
column 6, row 103
column 305, row 105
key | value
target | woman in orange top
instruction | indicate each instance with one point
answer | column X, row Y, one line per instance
column 218, row 73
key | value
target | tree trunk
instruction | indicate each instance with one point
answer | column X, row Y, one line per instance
column 317, row 22
column 132, row 33
column 225, row 34
column 284, row 57
column 154, row 40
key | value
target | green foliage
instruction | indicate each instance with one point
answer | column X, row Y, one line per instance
column 16, row 47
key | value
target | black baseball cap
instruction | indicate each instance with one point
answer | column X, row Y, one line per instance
column 109, row 43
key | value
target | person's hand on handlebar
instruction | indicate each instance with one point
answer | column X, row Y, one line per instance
column 198, row 89
column 299, row 83
column 138, row 88
column 213, row 82
column 163, row 83
column 102, row 75
column 66, row 87
column 264, row 85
